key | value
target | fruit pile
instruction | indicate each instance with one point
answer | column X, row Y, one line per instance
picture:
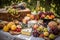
column 47, row 33
column 30, row 17
column 46, row 15
column 12, row 27
column 38, row 29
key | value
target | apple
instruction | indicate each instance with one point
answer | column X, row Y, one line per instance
column 41, row 35
column 32, row 17
column 27, row 18
column 52, row 16
column 35, row 26
column 51, row 36
column 16, row 21
column 45, row 30
column 24, row 21
column 42, row 16
column 47, row 17
column 59, row 27
column 28, row 15
column 40, row 13
column 38, row 29
column 46, row 33
column 36, row 17
column 41, row 28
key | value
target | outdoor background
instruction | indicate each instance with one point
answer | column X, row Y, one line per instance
column 48, row 5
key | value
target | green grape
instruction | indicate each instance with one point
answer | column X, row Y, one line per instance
column 12, row 11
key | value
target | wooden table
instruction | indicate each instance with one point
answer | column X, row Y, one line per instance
column 4, row 15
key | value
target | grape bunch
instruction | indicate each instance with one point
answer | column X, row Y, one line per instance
column 12, row 11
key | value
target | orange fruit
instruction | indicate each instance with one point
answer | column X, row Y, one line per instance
column 32, row 17
column 52, row 16
column 24, row 21
column 28, row 15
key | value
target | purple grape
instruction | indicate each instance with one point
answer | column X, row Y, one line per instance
column 36, row 34
column 55, row 31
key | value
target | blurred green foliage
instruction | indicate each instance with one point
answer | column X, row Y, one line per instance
column 49, row 5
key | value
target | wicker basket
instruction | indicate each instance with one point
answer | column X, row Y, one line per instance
column 7, row 17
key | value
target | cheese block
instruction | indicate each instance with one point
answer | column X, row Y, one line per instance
column 26, row 31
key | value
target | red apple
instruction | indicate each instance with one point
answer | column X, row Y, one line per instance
column 36, row 17
column 41, row 35
column 42, row 16
column 35, row 26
